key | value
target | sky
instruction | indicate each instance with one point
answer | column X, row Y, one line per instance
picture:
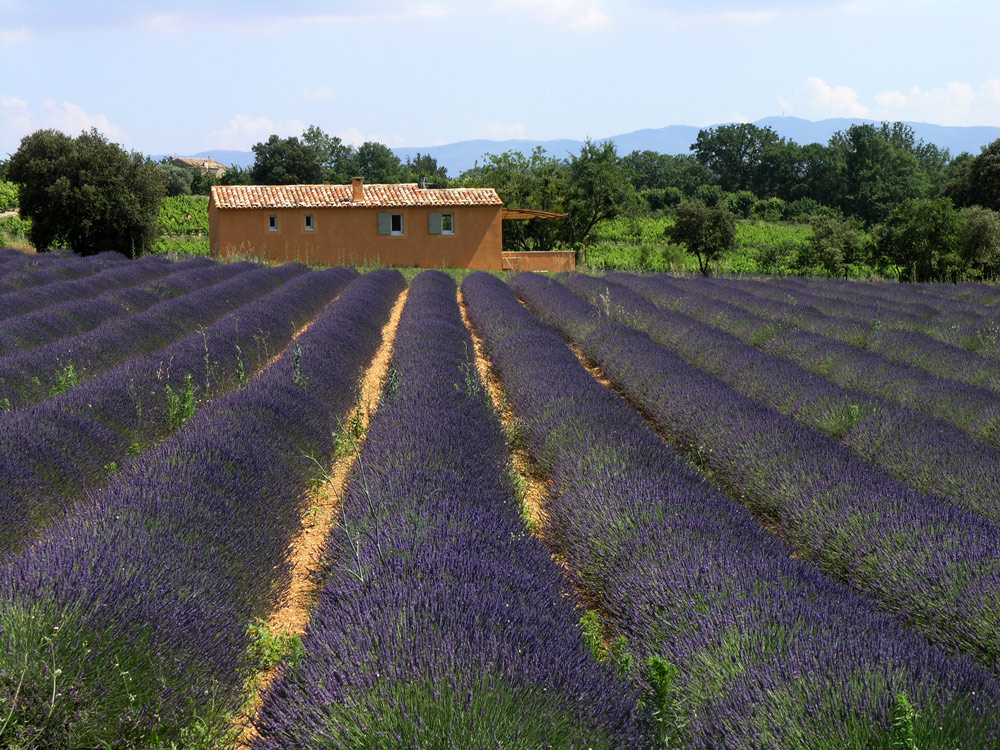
column 187, row 76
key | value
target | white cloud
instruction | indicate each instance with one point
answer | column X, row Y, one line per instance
column 959, row 104
column 817, row 100
column 17, row 119
column 355, row 137
column 72, row 119
column 321, row 94
column 499, row 131
column 14, row 36
column 244, row 131
column 578, row 15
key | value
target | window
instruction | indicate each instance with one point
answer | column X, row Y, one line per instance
column 272, row 223
column 390, row 224
column 309, row 223
column 438, row 223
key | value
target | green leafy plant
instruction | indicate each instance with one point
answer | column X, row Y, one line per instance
column 182, row 404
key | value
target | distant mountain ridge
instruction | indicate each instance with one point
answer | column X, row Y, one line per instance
column 673, row 139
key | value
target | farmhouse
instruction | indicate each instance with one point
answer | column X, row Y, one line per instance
column 378, row 225
column 207, row 166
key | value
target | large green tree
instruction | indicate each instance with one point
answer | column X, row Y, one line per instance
column 979, row 248
column 376, row 163
column 706, row 231
column 733, row 153
column 977, row 181
column 599, row 188
column 538, row 181
column 86, row 193
column 339, row 160
column 882, row 168
column 285, row 161
column 921, row 239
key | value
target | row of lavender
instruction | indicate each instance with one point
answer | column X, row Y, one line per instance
column 118, row 275
column 971, row 408
column 99, row 298
column 929, row 563
column 740, row 645
column 890, row 321
column 859, row 323
column 127, row 625
column 37, row 374
column 51, row 452
column 442, row 623
column 37, row 270
column 933, row 457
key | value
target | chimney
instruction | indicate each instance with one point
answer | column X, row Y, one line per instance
column 359, row 189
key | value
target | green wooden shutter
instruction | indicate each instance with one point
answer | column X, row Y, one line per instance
column 434, row 222
column 385, row 223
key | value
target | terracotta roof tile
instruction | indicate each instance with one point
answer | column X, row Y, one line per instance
column 340, row 196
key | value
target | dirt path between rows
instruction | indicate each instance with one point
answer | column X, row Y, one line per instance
column 318, row 520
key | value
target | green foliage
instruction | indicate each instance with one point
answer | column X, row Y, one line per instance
column 376, row 163
column 66, row 378
column 664, row 699
column 177, row 179
column 979, row 249
column 537, row 182
column 920, row 240
column 976, row 182
column 285, row 161
column 181, row 246
column 8, row 196
column 836, row 245
column 598, row 189
column 269, row 649
column 882, row 168
column 661, row 172
column 182, row 404
column 615, row 653
column 86, row 192
column 904, row 717
column 186, row 214
column 15, row 227
column 707, row 232
column 732, row 153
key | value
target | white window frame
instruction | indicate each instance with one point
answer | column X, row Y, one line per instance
column 450, row 220
column 310, row 223
column 272, row 223
column 392, row 225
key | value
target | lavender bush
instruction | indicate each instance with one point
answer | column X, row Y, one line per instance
column 127, row 625
column 442, row 622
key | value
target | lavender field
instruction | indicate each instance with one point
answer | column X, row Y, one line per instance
column 253, row 507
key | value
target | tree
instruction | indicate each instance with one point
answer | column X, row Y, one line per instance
column 424, row 169
column 977, row 180
column 285, row 161
column 539, row 182
column 86, row 192
column 236, row 175
column 706, row 231
column 376, row 163
column 338, row 159
column 599, row 189
column 881, row 169
column 979, row 248
column 177, row 179
column 921, row 240
column 836, row 244
column 733, row 153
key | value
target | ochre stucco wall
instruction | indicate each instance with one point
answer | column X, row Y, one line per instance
column 349, row 236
